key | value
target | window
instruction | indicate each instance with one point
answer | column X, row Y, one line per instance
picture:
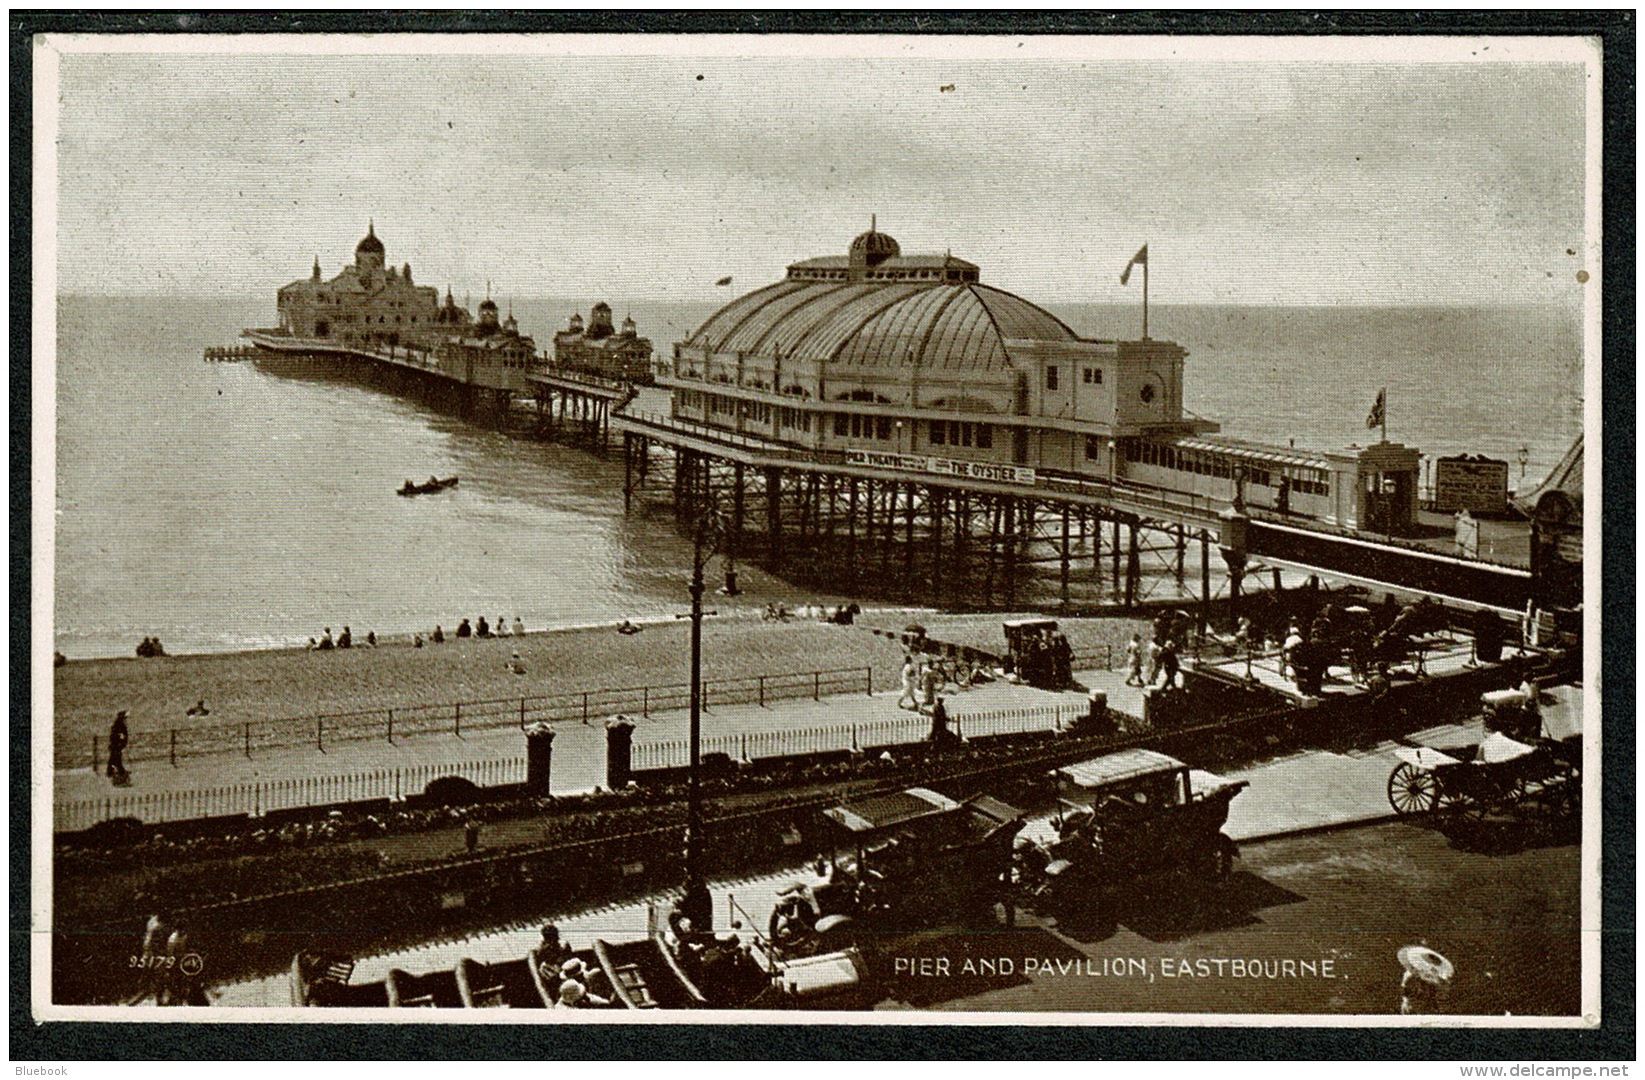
column 1093, row 448
column 939, row 431
column 842, row 424
column 965, row 434
column 882, row 427
column 985, row 436
column 1091, row 376
column 1050, row 376
column 1147, row 392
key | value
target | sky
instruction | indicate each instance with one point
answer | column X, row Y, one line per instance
column 1291, row 180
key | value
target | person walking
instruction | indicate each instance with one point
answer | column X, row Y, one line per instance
column 908, row 700
column 1169, row 664
column 119, row 736
column 1133, row 661
column 1154, row 650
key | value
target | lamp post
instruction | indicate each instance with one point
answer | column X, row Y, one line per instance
column 697, row 904
column 1524, row 460
column 899, row 438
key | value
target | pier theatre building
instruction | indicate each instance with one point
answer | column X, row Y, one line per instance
column 880, row 395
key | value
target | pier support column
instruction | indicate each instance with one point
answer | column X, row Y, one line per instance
column 1204, row 580
column 773, row 517
column 908, row 544
column 1115, row 548
column 734, row 544
column 851, row 531
column 1133, row 568
column 1063, row 557
column 628, row 471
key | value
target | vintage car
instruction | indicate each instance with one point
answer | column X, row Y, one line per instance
column 903, row 862
column 1125, row 820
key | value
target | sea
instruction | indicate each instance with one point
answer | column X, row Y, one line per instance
column 220, row 506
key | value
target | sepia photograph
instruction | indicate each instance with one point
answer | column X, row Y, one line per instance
column 587, row 529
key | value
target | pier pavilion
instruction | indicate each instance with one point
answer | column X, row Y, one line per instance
column 876, row 415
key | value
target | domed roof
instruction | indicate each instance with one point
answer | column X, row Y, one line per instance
column 370, row 245
column 873, row 248
column 488, row 304
column 936, row 324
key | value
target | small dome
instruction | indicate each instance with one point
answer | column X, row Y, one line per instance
column 872, row 248
column 370, row 245
column 488, row 304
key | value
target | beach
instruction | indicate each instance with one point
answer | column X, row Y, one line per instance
column 269, row 684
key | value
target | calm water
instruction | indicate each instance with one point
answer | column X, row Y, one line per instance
column 220, row 507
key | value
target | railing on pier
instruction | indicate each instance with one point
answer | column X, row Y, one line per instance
column 1143, row 496
column 228, row 354
column 266, row 796
column 401, row 721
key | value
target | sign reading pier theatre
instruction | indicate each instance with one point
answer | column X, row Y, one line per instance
column 971, row 470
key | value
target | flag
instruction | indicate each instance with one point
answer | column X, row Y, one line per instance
column 1139, row 259
column 1378, row 411
column 723, row 281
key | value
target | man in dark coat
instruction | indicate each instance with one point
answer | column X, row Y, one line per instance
column 119, row 736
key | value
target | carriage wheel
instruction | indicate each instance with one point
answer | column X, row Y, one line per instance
column 1466, row 805
column 1411, row 790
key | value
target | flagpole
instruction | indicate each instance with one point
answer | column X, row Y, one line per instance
column 1145, row 296
column 1385, row 414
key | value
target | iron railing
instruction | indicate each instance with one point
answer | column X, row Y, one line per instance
column 399, row 721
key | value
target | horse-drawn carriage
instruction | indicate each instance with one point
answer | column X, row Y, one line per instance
column 1529, row 760
column 1126, row 820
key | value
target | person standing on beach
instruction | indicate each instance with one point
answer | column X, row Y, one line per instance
column 1133, row 661
column 119, row 736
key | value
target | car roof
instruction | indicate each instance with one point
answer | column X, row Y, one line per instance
column 1125, row 765
column 879, row 812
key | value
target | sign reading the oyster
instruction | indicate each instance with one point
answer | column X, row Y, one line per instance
column 972, row 470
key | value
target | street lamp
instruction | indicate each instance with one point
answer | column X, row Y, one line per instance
column 1524, row 460
column 697, row 904
column 899, row 438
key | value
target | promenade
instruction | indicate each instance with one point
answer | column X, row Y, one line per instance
column 497, row 755
column 283, row 777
